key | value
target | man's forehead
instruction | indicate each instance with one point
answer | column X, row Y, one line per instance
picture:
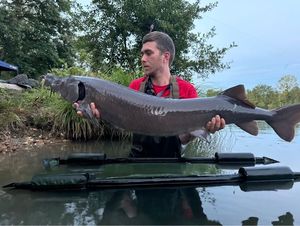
column 149, row 46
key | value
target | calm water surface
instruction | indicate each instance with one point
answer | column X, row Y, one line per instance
column 196, row 205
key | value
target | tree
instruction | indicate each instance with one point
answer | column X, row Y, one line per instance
column 289, row 89
column 213, row 92
column 287, row 83
column 113, row 32
column 295, row 95
column 264, row 96
column 36, row 35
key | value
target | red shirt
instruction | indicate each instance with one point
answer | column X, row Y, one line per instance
column 186, row 89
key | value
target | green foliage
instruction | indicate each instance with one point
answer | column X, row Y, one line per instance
column 117, row 75
column 264, row 96
column 120, row 76
column 72, row 125
column 113, row 32
column 212, row 92
column 9, row 117
column 33, row 107
column 39, row 107
column 287, row 92
column 36, row 35
column 287, row 83
column 70, row 71
column 288, row 86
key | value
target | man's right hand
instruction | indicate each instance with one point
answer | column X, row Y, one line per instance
column 95, row 111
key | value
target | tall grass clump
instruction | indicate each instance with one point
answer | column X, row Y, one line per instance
column 73, row 126
column 9, row 111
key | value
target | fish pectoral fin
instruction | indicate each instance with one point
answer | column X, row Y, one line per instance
column 86, row 110
column 250, row 127
column 87, row 113
column 202, row 133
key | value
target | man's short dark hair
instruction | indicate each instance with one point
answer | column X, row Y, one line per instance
column 163, row 41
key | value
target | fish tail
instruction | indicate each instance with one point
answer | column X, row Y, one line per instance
column 285, row 120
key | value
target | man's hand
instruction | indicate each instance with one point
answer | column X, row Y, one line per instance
column 95, row 111
column 215, row 124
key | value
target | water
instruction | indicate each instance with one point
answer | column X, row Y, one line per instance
column 194, row 205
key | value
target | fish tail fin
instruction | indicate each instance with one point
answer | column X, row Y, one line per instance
column 285, row 120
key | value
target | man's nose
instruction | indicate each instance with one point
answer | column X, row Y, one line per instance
column 143, row 58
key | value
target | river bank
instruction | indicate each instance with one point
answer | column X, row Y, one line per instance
column 24, row 139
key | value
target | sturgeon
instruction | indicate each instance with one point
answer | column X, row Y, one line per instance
column 149, row 115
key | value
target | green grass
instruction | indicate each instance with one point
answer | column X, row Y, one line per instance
column 42, row 109
column 9, row 111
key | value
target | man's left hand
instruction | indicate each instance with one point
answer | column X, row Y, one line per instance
column 215, row 124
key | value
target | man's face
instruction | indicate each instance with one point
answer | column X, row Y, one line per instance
column 152, row 58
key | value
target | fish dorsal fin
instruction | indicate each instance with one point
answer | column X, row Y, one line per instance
column 238, row 92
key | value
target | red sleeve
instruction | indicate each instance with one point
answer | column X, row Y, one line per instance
column 135, row 84
column 186, row 89
column 192, row 92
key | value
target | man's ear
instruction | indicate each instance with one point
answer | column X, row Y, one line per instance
column 167, row 56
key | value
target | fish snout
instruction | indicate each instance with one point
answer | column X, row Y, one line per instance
column 50, row 80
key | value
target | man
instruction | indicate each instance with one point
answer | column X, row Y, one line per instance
column 157, row 55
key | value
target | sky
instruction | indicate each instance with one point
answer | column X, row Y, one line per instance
column 268, row 37
column 267, row 33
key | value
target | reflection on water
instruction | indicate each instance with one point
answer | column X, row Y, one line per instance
column 117, row 207
column 125, row 207
column 160, row 206
column 194, row 205
column 286, row 219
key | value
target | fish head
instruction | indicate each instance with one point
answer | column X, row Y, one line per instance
column 69, row 88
